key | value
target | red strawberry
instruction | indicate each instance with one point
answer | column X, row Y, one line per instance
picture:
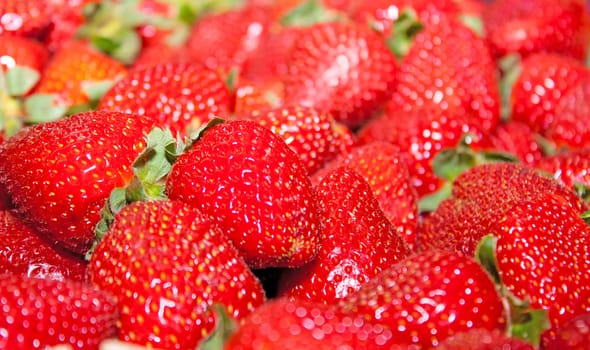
column 343, row 69
column 569, row 168
column 223, row 41
column 22, row 52
column 181, row 97
column 573, row 335
column 72, row 69
column 385, row 169
column 167, row 263
column 301, row 324
column 24, row 252
column 570, row 126
column 429, row 297
column 24, row 17
column 356, row 244
column 248, row 181
column 39, row 313
column 483, row 339
column 59, row 174
column 449, row 69
column 516, row 138
column 543, row 80
column 529, row 26
column 67, row 18
column 309, row 133
column 254, row 96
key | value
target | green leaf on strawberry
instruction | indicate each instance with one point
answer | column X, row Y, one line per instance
column 20, row 80
column 403, row 31
column 308, row 13
column 225, row 326
column 40, row 108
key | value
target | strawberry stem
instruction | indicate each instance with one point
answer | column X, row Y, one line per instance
column 403, row 31
column 225, row 326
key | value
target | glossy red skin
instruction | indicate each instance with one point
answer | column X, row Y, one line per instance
column 357, row 241
column 182, row 97
column 542, row 253
column 22, row 251
column 385, row 169
column 75, row 64
column 483, row 339
column 224, row 41
column 25, row 17
column 515, row 138
column 543, row 80
column 254, row 186
column 343, row 69
column 382, row 14
column 573, row 335
column 166, row 263
column 451, row 70
column 59, row 174
column 529, row 26
column 419, row 135
column 24, row 52
column 429, row 297
column 67, row 17
column 307, row 131
column 570, row 127
column 38, row 313
column 300, row 324
column 568, row 167
column 481, row 197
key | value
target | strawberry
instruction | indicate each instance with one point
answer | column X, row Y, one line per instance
column 166, row 263
column 73, row 69
column 543, row 80
column 223, row 41
column 357, row 241
column 573, row 335
column 22, row 52
column 343, row 69
column 25, row 17
column 570, row 168
column 59, row 174
column 449, row 69
column 483, row 339
column 516, row 138
column 427, row 298
column 254, row 186
column 300, row 324
column 181, row 97
column 385, row 169
column 252, row 96
column 39, row 313
column 570, row 125
column 308, row 132
column 24, row 252
column 67, row 18
column 529, row 26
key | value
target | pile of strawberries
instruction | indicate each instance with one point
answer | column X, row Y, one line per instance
column 285, row 174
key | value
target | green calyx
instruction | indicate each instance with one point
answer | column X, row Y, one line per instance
column 404, row 30
column 310, row 12
column 225, row 326
column 524, row 322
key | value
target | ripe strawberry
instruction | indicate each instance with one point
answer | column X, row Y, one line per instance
column 254, row 96
column 24, row 252
column 385, row 169
column 248, row 181
column 59, row 174
column 543, row 80
column 308, row 132
column 570, row 125
column 569, row 167
column 451, row 70
column 166, row 263
column 357, row 241
column 516, row 138
column 573, row 335
column 181, row 97
column 24, row 17
column 223, row 41
column 427, row 298
column 483, row 339
column 39, row 313
column 67, row 18
column 73, row 68
column 343, row 69
column 22, row 52
column 529, row 26
column 300, row 324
